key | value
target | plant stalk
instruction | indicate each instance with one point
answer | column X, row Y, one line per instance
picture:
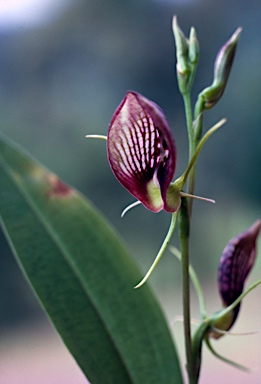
column 189, row 121
column 192, row 145
column 184, row 227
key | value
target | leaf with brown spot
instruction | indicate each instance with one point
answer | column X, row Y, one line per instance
column 84, row 278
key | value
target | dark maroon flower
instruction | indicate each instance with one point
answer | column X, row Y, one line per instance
column 141, row 152
column 235, row 264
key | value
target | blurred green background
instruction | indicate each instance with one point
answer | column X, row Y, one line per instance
column 62, row 78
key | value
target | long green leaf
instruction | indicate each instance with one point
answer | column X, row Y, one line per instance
column 83, row 277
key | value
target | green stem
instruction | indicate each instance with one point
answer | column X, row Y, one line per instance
column 197, row 342
column 191, row 183
column 189, row 121
column 195, row 282
column 192, row 146
column 184, row 227
column 197, row 134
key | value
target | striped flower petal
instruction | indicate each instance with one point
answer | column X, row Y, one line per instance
column 141, row 151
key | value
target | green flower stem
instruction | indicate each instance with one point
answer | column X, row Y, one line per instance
column 198, row 117
column 192, row 146
column 162, row 249
column 191, row 185
column 195, row 282
column 184, row 227
column 197, row 342
column 192, row 173
column 188, row 112
column 197, row 134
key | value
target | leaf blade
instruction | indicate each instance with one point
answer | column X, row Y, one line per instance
column 65, row 246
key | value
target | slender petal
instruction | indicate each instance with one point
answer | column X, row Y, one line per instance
column 141, row 150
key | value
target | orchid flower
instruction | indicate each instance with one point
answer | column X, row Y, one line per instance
column 142, row 152
column 142, row 155
column 235, row 264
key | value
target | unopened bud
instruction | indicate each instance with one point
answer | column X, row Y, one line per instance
column 224, row 60
column 187, row 56
column 193, row 47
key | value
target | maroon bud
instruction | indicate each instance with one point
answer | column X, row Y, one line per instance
column 236, row 262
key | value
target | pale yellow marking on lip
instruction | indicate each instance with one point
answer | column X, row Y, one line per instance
column 154, row 195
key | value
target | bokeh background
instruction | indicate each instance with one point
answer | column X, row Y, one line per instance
column 65, row 65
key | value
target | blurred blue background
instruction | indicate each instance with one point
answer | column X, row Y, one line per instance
column 64, row 68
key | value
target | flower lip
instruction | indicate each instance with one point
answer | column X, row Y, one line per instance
column 141, row 150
